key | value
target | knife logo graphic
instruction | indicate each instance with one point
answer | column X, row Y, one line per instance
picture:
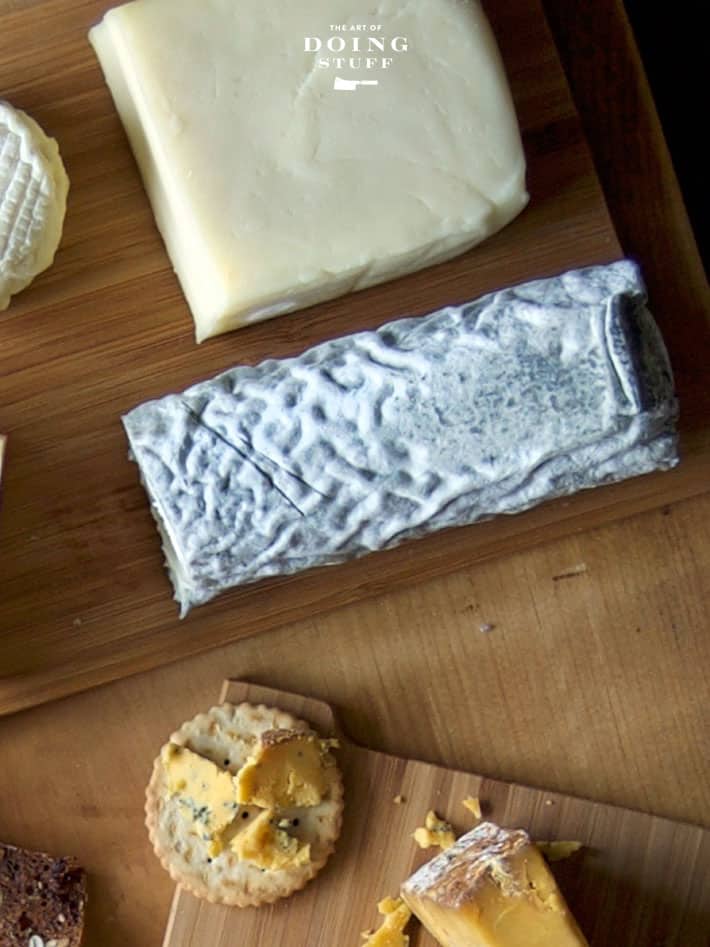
column 349, row 85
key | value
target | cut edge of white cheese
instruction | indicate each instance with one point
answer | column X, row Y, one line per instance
column 110, row 50
column 274, row 241
column 33, row 199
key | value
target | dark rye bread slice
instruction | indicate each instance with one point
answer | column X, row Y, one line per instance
column 42, row 899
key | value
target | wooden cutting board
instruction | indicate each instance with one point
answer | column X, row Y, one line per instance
column 84, row 595
column 639, row 880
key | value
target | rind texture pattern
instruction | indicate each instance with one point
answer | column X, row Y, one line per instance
column 33, row 197
column 529, row 393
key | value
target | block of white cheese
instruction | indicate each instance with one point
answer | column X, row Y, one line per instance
column 33, row 200
column 294, row 152
column 362, row 442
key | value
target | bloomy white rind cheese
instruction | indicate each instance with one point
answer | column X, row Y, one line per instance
column 274, row 191
column 33, row 198
column 529, row 393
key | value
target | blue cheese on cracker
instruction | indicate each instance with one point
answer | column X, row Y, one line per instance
column 227, row 852
column 286, row 769
column 264, row 842
column 205, row 793
column 526, row 394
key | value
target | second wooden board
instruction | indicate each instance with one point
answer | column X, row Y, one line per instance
column 639, row 880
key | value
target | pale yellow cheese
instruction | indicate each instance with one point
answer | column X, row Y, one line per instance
column 286, row 769
column 434, row 832
column 473, row 804
column 205, row 793
column 557, row 851
column 264, row 844
column 391, row 932
column 492, row 889
column 276, row 182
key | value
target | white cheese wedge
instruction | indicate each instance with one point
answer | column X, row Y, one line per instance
column 33, row 200
column 294, row 152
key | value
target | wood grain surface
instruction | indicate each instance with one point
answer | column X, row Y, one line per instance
column 107, row 327
column 639, row 879
column 594, row 677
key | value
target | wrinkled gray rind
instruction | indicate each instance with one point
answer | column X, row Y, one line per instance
column 526, row 394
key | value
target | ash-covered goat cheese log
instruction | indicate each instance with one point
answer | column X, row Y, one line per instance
column 526, row 394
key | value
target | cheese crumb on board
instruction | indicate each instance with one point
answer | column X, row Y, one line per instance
column 492, row 887
column 33, row 199
column 276, row 179
column 435, row 832
column 391, row 932
column 473, row 804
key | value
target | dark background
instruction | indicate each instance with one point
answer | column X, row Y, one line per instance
column 676, row 54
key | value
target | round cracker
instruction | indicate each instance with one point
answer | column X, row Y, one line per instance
column 228, row 733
